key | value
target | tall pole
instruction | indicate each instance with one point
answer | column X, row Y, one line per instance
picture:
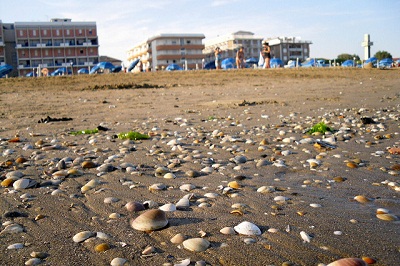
column 367, row 46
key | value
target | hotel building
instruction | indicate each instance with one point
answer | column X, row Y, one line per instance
column 231, row 43
column 289, row 48
column 162, row 50
column 51, row 45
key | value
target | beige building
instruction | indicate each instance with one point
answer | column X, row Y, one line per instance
column 289, row 48
column 54, row 44
column 164, row 49
column 231, row 43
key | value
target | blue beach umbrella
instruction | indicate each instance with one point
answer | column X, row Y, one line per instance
column 228, row 63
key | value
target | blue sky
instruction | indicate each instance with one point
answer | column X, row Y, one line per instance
column 334, row 27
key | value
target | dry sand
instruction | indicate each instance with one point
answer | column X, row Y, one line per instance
column 247, row 107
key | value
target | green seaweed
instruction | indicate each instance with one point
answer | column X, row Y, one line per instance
column 87, row 131
column 132, row 135
column 321, row 127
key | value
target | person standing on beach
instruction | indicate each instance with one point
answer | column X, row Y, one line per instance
column 218, row 57
column 240, row 58
column 266, row 52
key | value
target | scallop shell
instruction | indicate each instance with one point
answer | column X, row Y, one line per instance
column 247, row 228
column 348, row 262
column 196, row 244
column 150, row 220
column 134, row 206
column 82, row 236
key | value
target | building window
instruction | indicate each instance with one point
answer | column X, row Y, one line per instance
column 80, row 31
column 90, row 32
column 81, row 51
column 284, row 50
column 188, row 41
column 59, row 51
column 46, row 52
column 21, row 33
column 58, row 32
column 44, row 32
column 36, row 53
column 34, row 32
column 68, row 32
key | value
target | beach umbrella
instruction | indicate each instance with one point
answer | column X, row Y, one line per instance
column 5, row 69
column 210, row 65
column 83, row 71
column 133, row 65
column 173, row 67
column 228, row 63
column 276, row 62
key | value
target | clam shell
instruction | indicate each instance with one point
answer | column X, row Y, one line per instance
column 118, row 262
column 187, row 187
column 169, row 207
column 183, row 203
column 102, row 247
column 234, row 184
column 150, row 220
column 16, row 246
column 158, row 186
column 82, row 236
column 169, row 176
column 196, row 244
column 227, row 231
column 134, row 206
column 14, row 175
column 266, row 189
column 387, row 217
column 362, row 199
column 348, row 262
column 23, row 183
column 247, row 228
column 178, row 238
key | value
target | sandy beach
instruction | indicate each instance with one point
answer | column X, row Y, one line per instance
column 234, row 144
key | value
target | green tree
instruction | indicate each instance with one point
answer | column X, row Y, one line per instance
column 382, row 54
column 343, row 57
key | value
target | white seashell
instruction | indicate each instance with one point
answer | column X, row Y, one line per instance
column 169, row 176
column 169, row 207
column 184, row 262
column 279, row 163
column 178, row 238
column 187, row 187
column 211, row 195
column 338, row 233
column 266, row 189
column 21, row 183
column 82, row 236
column 273, row 230
column 204, row 205
column 249, row 241
column 12, row 229
column 315, row 205
column 56, row 192
column 281, row 198
column 348, row 262
column 306, row 238
column 247, row 228
column 90, row 185
column 149, row 204
column 286, row 153
column 207, row 170
column 183, row 203
column 158, row 186
column 14, row 175
column 110, row 200
column 196, row 244
column 102, row 235
column 114, row 215
column 33, row 261
column 16, row 246
column 228, row 231
column 118, row 262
